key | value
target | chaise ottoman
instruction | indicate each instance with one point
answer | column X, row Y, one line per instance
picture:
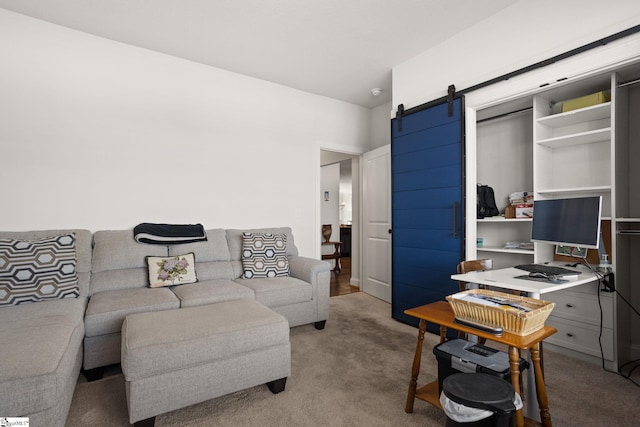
column 176, row 358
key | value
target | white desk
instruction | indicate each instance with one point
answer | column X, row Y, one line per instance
column 507, row 278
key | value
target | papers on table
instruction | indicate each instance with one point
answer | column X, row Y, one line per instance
column 493, row 301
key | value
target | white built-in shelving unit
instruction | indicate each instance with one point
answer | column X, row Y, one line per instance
column 588, row 151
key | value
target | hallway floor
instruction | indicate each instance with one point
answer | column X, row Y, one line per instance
column 340, row 282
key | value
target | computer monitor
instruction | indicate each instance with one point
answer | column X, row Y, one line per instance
column 569, row 222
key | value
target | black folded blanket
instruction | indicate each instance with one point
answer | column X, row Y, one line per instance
column 169, row 234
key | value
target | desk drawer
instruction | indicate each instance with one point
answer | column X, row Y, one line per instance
column 582, row 307
column 581, row 337
column 590, row 288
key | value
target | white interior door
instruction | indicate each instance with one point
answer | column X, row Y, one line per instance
column 376, row 215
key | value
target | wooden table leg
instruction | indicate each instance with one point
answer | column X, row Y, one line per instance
column 415, row 369
column 541, row 389
column 514, row 364
column 337, row 255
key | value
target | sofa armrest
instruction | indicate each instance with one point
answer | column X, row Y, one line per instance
column 318, row 274
column 307, row 269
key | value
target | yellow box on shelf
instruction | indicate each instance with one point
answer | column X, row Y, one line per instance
column 585, row 101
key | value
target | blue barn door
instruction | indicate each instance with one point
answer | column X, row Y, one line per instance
column 427, row 170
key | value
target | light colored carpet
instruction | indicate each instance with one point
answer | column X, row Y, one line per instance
column 356, row 372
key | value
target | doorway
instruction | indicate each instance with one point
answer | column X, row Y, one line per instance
column 339, row 201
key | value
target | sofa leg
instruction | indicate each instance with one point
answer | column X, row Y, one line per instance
column 320, row 325
column 93, row 374
column 277, row 386
column 149, row 422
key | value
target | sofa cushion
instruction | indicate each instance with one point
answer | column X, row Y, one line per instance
column 211, row 292
column 214, row 270
column 107, row 310
column 212, row 257
column 279, row 291
column 119, row 279
column 214, row 249
column 264, row 255
column 173, row 270
column 36, row 338
column 38, row 270
column 117, row 249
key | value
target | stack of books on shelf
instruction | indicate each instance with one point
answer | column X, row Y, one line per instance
column 521, row 198
column 520, row 205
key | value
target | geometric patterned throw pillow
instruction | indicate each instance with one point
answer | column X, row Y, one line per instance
column 174, row 270
column 264, row 255
column 38, row 270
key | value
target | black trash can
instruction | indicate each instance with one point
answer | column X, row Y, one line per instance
column 478, row 400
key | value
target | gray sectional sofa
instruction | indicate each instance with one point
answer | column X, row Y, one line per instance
column 41, row 352
column 48, row 341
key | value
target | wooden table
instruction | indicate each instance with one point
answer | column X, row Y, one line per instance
column 440, row 313
column 335, row 255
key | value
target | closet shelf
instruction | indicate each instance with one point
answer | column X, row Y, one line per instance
column 577, row 190
column 581, row 138
column 503, row 219
column 505, row 250
column 583, row 115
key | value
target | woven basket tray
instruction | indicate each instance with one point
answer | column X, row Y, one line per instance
column 510, row 319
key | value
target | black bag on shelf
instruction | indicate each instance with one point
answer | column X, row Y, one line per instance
column 486, row 202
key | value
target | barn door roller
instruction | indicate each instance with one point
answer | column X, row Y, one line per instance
column 451, row 90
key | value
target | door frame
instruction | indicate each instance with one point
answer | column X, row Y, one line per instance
column 356, row 184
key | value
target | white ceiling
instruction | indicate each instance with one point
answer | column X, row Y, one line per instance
column 337, row 48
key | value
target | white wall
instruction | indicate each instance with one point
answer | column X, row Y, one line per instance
column 520, row 35
column 346, row 192
column 380, row 125
column 101, row 135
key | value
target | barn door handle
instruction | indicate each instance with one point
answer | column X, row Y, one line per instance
column 455, row 219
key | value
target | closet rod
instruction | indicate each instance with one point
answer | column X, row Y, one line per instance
column 499, row 116
column 632, row 82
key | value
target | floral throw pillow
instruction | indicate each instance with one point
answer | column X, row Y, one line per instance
column 264, row 255
column 170, row 271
